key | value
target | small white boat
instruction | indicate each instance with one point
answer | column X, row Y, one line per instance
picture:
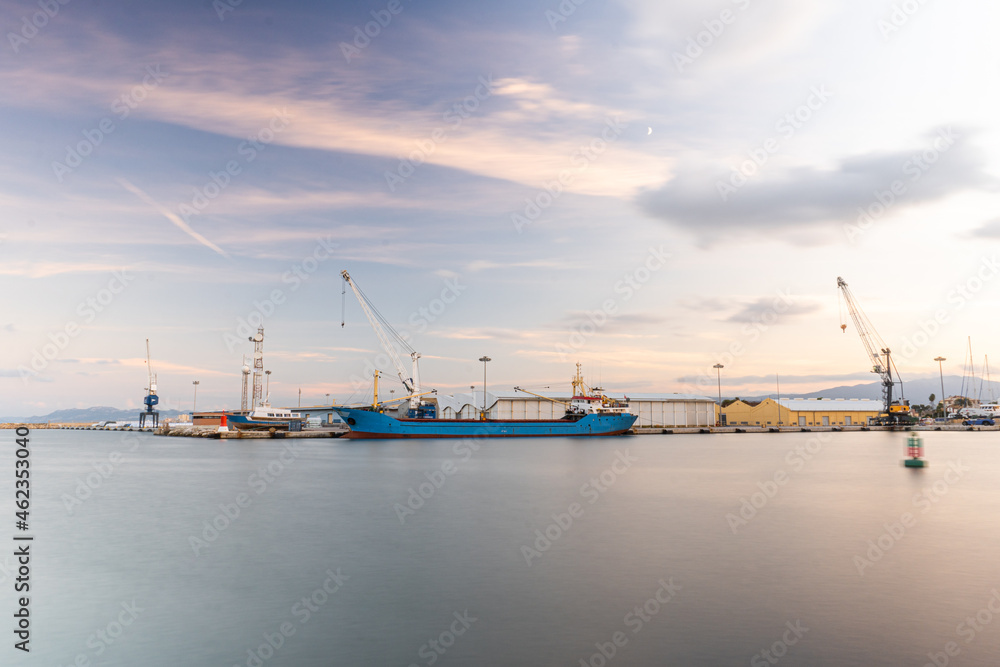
column 266, row 417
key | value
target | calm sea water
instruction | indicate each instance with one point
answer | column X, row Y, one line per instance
column 641, row 556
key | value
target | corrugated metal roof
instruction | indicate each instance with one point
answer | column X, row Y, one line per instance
column 517, row 395
column 458, row 401
column 663, row 397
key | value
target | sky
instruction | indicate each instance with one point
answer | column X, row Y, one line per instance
column 648, row 188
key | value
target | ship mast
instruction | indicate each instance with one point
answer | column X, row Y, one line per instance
column 579, row 386
column 245, row 370
column 258, row 367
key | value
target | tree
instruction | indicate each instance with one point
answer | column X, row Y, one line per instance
column 930, row 399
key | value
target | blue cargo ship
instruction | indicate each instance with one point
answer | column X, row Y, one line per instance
column 369, row 423
column 589, row 412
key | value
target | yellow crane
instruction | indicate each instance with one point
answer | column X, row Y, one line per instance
column 893, row 412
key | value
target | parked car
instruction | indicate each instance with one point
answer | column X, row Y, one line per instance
column 978, row 421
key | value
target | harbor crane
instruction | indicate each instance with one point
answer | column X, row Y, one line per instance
column 893, row 412
column 150, row 399
column 383, row 330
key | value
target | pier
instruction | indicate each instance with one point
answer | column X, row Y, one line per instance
column 212, row 431
column 659, row 430
column 233, row 434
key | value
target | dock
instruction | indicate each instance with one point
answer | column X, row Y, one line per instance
column 683, row 430
column 189, row 431
column 213, row 432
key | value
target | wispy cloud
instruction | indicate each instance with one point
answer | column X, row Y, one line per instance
column 172, row 217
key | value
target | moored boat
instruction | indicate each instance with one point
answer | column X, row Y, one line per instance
column 589, row 413
column 264, row 418
column 370, row 423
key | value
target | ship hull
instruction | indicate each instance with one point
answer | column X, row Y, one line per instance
column 244, row 423
column 368, row 424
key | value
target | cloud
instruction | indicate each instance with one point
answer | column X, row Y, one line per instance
column 988, row 230
column 809, row 198
column 488, row 333
column 617, row 324
column 753, row 310
column 516, row 129
column 44, row 269
column 172, row 217
column 757, row 309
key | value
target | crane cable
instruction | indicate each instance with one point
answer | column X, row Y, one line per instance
column 840, row 303
column 869, row 336
column 384, row 322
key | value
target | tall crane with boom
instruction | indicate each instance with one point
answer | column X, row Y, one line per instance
column 150, row 399
column 893, row 412
column 381, row 325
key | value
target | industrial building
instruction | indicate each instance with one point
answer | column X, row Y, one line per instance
column 802, row 412
column 652, row 409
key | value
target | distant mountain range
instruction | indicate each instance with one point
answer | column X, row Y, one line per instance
column 917, row 390
column 81, row 415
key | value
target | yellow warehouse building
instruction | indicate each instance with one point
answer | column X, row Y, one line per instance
column 802, row 412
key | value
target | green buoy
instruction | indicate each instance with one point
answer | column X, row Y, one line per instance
column 915, row 450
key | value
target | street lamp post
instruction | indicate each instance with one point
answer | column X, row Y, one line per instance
column 718, row 376
column 194, row 407
column 484, row 359
column 328, row 398
column 267, row 386
column 944, row 412
column 718, row 370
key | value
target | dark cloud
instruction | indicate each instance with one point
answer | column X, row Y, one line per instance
column 807, row 197
column 757, row 310
column 623, row 322
column 15, row 373
column 989, row 230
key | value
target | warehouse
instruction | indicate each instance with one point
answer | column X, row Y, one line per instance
column 652, row 409
column 802, row 412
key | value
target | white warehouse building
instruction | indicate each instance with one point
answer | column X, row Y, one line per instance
column 653, row 410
